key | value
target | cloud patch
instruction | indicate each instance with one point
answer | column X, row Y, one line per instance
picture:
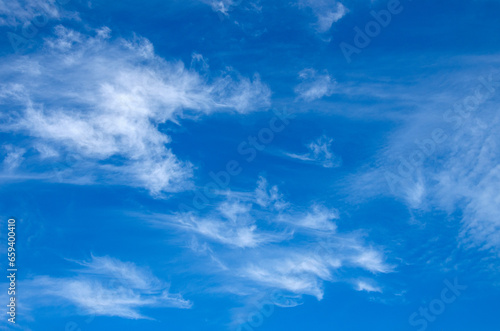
column 326, row 12
column 319, row 153
column 109, row 287
column 261, row 244
column 314, row 85
column 15, row 13
column 107, row 104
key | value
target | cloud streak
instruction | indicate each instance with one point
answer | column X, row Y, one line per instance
column 314, row 85
column 108, row 287
column 15, row 13
column 260, row 242
column 319, row 153
column 105, row 103
column 326, row 12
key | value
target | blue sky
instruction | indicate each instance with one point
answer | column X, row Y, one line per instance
column 251, row 165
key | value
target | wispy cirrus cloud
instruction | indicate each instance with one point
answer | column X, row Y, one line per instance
column 314, row 85
column 447, row 159
column 258, row 242
column 469, row 181
column 319, row 153
column 15, row 13
column 221, row 6
column 364, row 285
column 13, row 158
column 234, row 221
column 104, row 102
column 326, row 12
column 108, row 287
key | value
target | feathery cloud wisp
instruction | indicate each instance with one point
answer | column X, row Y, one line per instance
column 257, row 241
column 314, row 85
column 319, row 153
column 108, row 287
column 104, row 103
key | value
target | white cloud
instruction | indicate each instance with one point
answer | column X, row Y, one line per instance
column 221, row 6
column 363, row 285
column 371, row 260
column 241, row 234
column 319, row 153
column 314, row 85
column 459, row 174
column 299, row 273
column 14, row 157
column 15, row 13
column 326, row 12
column 319, row 218
column 108, row 287
column 257, row 247
column 268, row 197
column 224, row 7
column 470, row 181
column 302, row 270
column 232, row 223
column 105, row 102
